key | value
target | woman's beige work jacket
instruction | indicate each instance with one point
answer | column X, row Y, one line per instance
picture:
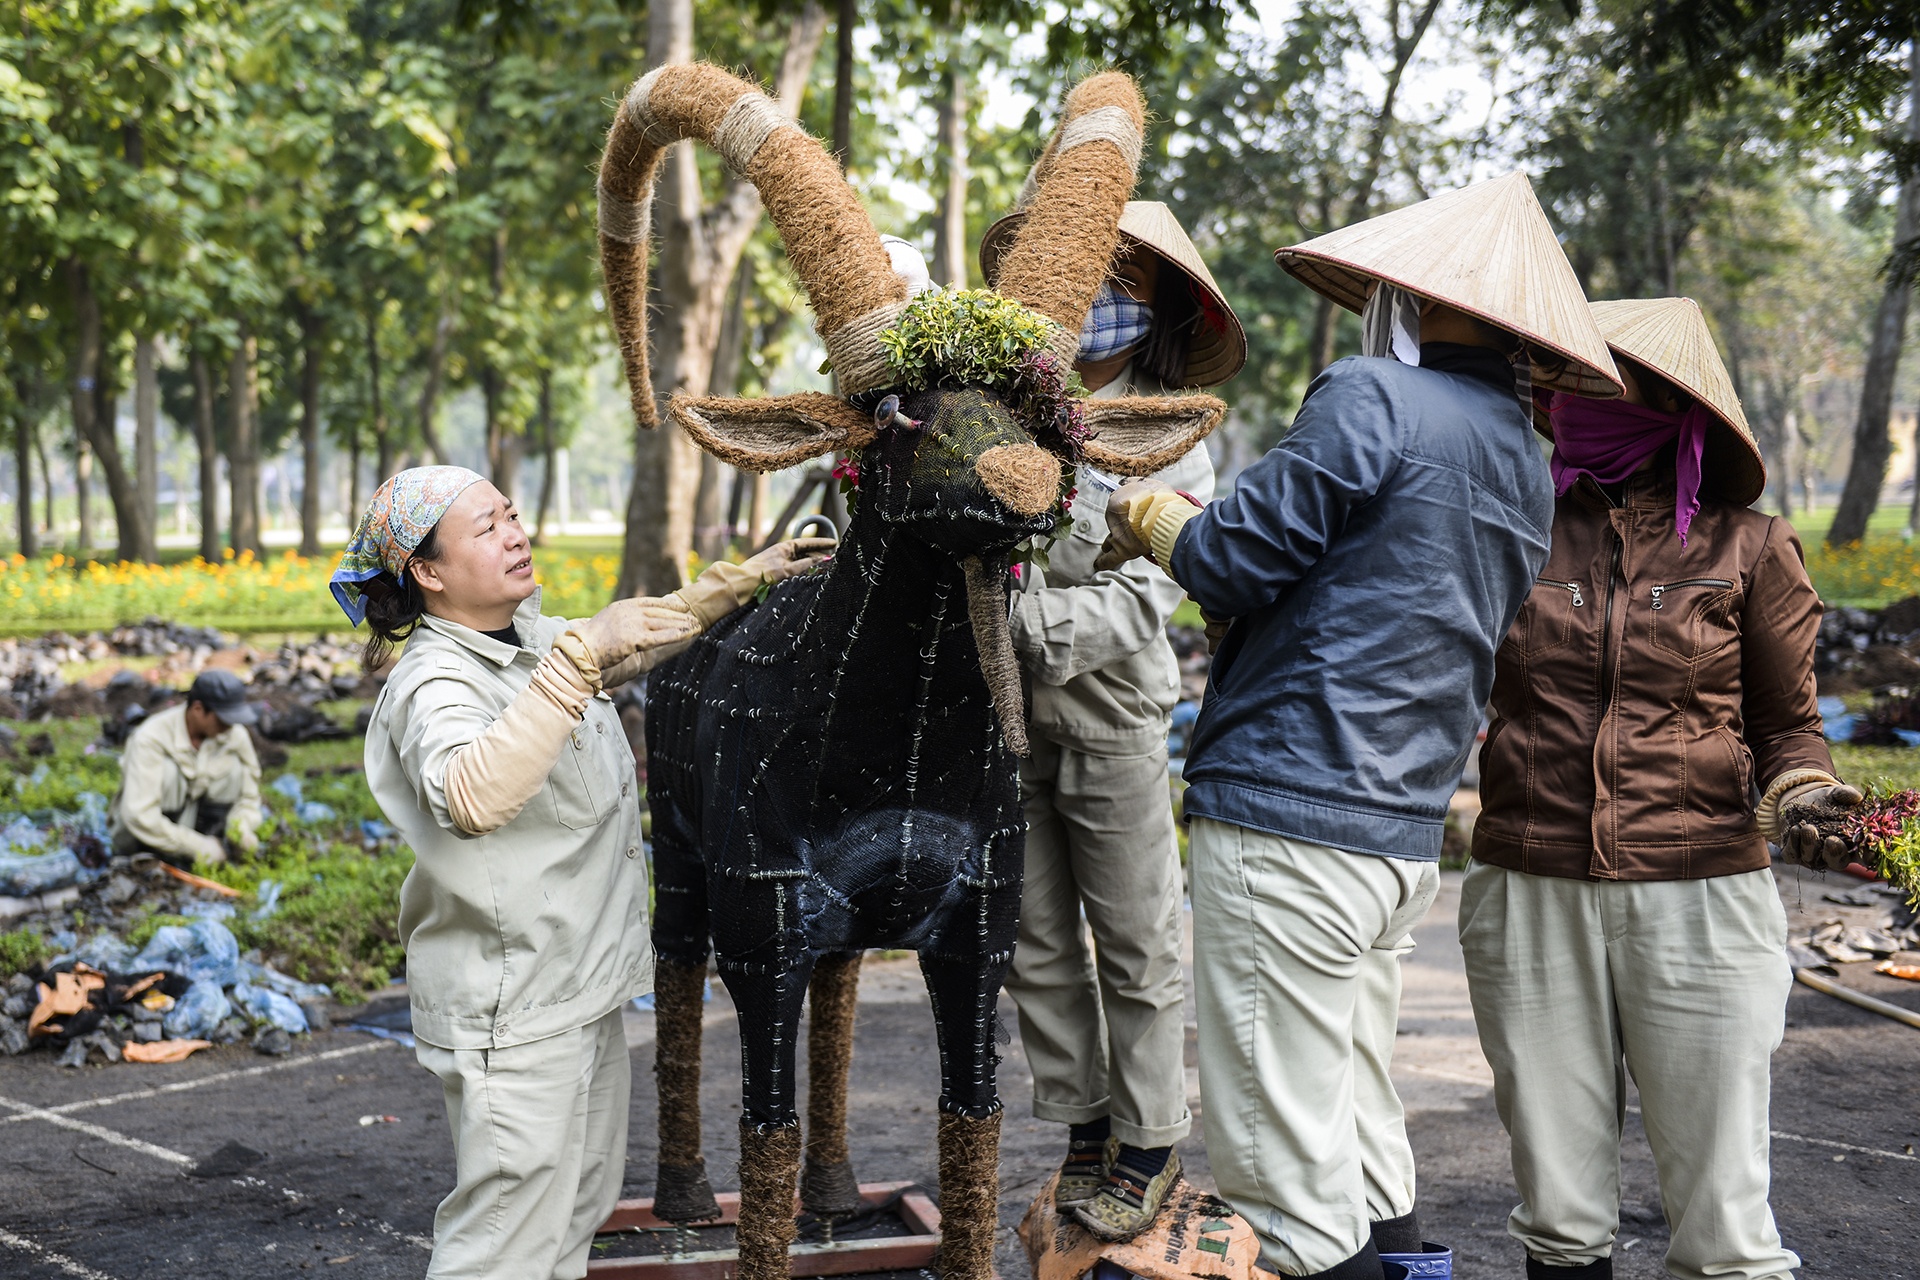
column 541, row 926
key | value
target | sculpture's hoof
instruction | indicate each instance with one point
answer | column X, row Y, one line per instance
column 830, row 1190
column 682, row 1194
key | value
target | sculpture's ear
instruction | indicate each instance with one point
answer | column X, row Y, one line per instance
column 771, row 434
column 1139, row 435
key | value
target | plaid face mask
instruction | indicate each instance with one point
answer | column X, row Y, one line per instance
column 1115, row 323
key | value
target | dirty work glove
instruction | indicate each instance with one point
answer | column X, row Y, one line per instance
column 724, row 587
column 1802, row 812
column 207, row 848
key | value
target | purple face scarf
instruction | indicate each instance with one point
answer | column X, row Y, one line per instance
column 1608, row 440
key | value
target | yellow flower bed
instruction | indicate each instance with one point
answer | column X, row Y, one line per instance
column 285, row 592
column 1878, row 571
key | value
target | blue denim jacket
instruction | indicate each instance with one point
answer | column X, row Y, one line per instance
column 1371, row 563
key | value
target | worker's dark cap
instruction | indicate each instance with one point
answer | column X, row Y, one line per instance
column 222, row 693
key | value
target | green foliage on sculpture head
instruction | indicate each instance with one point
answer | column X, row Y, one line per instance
column 961, row 337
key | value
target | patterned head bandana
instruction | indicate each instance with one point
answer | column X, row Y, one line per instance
column 1114, row 323
column 401, row 515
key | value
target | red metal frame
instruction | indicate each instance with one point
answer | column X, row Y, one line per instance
column 842, row 1258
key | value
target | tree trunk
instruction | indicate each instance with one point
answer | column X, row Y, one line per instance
column 1872, row 445
column 146, row 444
column 950, row 221
column 544, row 415
column 311, row 331
column 846, row 19
column 83, row 497
column 95, row 428
column 429, row 394
column 243, row 445
column 504, row 448
column 24, row 435
column 711, row 532
column 46, row 486
column 209, row 458
column 700, row 249
column 382, row 441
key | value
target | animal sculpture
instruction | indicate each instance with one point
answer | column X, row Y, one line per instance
column 834, row 768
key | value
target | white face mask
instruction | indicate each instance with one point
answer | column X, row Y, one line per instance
column 1390, row 325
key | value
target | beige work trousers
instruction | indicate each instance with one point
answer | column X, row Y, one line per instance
column 1296, row 963
column 1103, row 1028
column 540, row 1151
column 1683, row 981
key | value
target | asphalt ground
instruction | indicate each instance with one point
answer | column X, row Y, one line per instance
column 235, row 1165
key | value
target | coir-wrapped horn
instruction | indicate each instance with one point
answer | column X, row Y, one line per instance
column 834, row 249
column 1074, row 198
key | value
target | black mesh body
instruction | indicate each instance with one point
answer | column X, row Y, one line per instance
column 827, row 772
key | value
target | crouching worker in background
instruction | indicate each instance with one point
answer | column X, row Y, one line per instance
column 189, row 778
column 1105, row 1026
column 1369, row 565
column 495, row 751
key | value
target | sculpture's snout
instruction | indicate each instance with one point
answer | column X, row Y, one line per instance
column 1024, row 477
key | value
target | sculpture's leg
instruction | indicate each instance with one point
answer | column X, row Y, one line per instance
column 681, row 1190
column 768, row 990
column 827, row 1185
column 964, row 990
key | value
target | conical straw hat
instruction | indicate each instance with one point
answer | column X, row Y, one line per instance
column 1486, row 249
column 1219, row 346
column 1670, row 337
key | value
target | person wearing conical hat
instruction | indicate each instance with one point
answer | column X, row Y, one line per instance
column 1620, row 909
column 1365, row 570
column 1104, row 1028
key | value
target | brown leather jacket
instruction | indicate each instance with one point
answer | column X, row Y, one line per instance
column 1647, row 689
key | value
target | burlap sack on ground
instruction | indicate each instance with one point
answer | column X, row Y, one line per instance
column 1195, row 1235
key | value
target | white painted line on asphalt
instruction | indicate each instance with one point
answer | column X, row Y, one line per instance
column 218, row 1077
column 1438, row 1074
column 26, row 1111
column 52, row 1259
column 1843, row 1146
column 1781, row 1135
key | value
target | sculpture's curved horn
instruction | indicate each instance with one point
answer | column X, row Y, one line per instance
column 834, row 249
column 1074, row 198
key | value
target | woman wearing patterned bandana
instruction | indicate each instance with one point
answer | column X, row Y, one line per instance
column 496, row 752
column 1104, row 1029
column 1620, row 910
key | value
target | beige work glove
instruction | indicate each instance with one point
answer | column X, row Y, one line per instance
column 1144, row 517
column 724, row 587
column 622, row 629
column 208, row 849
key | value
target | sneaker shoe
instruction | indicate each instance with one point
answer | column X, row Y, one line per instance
column 1125, row 1206
column 1083, row 1173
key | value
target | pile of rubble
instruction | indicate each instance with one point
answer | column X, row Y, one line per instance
column 1866, row 650
column 287, row 681
column 1889, row 932
column 101, row 999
